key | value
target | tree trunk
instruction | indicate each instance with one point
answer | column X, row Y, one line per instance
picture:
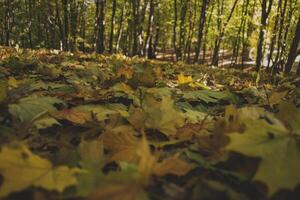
column 7, row 22
column 120, row 29
column 293, row 49
column 202, row 20
column 148, row 44
column 65, row 4
column 215, row 59
column 135, row 26
column 174, row 31
column 263, row 25
column 100, row 44
column 112, row 26
column 182, row 29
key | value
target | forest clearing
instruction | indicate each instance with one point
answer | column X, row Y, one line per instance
column 149, row 100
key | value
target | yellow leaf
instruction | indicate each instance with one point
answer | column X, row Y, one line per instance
column 172, row 165
column 276, row 97
column 146, row 160
column 182, row 79
column 22, row 169
column 12, row 82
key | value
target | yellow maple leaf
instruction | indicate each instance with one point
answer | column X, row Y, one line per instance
column 22, row 169
column 12, row 82
column 182, row 79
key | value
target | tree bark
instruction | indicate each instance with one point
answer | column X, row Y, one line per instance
column 65, row 4
column 174, row 31
column 100, row 44
column 148, row 44
column 293, row 49
column 202, row 20
column 263, row 25
column 112, row 26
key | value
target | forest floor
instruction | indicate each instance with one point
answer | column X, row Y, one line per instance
column 88, row 126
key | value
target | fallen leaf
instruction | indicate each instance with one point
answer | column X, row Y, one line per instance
column 121, row 143
column 161, row 114
column 172, row 165
column 279, row 151
column 29, row 108
column 22, row 169
column 76, row 116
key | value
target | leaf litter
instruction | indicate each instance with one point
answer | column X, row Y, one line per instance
column 88, row 126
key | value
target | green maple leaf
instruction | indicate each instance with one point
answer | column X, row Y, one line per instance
column 209, row 96
column 30, row 108
column 22, row 169
column 278, row 149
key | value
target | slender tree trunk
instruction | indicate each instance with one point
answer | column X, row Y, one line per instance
column 100, row 44
column 73, row 23
column 266, row 8
column 59, row 24
column 112, row 26
column 7, row 22
column 135, row 26
column 293, row 49
column 157, row 31
column 215, row 59
column 182, row 28
column 148, row 44
column 65, row 4
column 274, row 34
column 120, row 29
column 202, row 20
column 174, row 30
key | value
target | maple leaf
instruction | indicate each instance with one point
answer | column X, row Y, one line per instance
column 146, row 160
column 22, row 169
column 125, row 71
column 279, row 151
column 182, row 79
column 161, row 114
column 45, row 122
column 76, row 116
column 289, row 114
column 172, row 165
column 101, row 112
column 30, row 108
column 129, row 191
column 121, row 143
column 209, row 96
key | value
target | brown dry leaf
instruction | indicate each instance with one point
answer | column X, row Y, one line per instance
column 76, row 116
column 125, row 71
column 121, row 143
column 172, row 165
column 137, row 118
column 119, row 192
